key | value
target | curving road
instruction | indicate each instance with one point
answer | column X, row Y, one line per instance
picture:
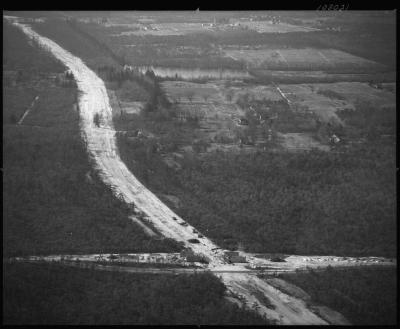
column 101, row 145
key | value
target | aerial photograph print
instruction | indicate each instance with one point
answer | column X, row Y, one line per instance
column 199, row 167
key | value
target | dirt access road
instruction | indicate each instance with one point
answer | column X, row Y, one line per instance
column 256, row 265
column 101, row 145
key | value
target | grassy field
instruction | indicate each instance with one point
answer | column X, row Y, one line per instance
column 364, row 296
column 47, row 294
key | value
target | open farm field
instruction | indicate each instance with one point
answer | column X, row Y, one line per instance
column 253, row 92
column 161, row 29
column 378, row 96
column 325, row 99
column 124, row 17
column 369, row 36
column 310, row 59
column 220, row 105
column 305, row 98
column 185, row 92
column 218, row 92
column 207, row 103
column 269, row 27
column 293, row 77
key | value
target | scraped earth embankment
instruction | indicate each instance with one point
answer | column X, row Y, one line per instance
column 102, row 148
column 101, row 144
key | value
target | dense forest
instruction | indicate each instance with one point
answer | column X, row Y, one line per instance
column 16, row 42
column 48, row 294
column 314, row 202
column 53, row 201
column 364, row 296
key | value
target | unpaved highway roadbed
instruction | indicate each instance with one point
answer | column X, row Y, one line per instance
column 101, row 145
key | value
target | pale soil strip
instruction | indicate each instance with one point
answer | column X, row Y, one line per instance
column 101, row 143
column 287, row 310
column 284, row 59
column 28, row 110
column 326, row 58
column 145, row 228
column 102, row 147
column 267, row 267
column 131, row 269
column 283, row 95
